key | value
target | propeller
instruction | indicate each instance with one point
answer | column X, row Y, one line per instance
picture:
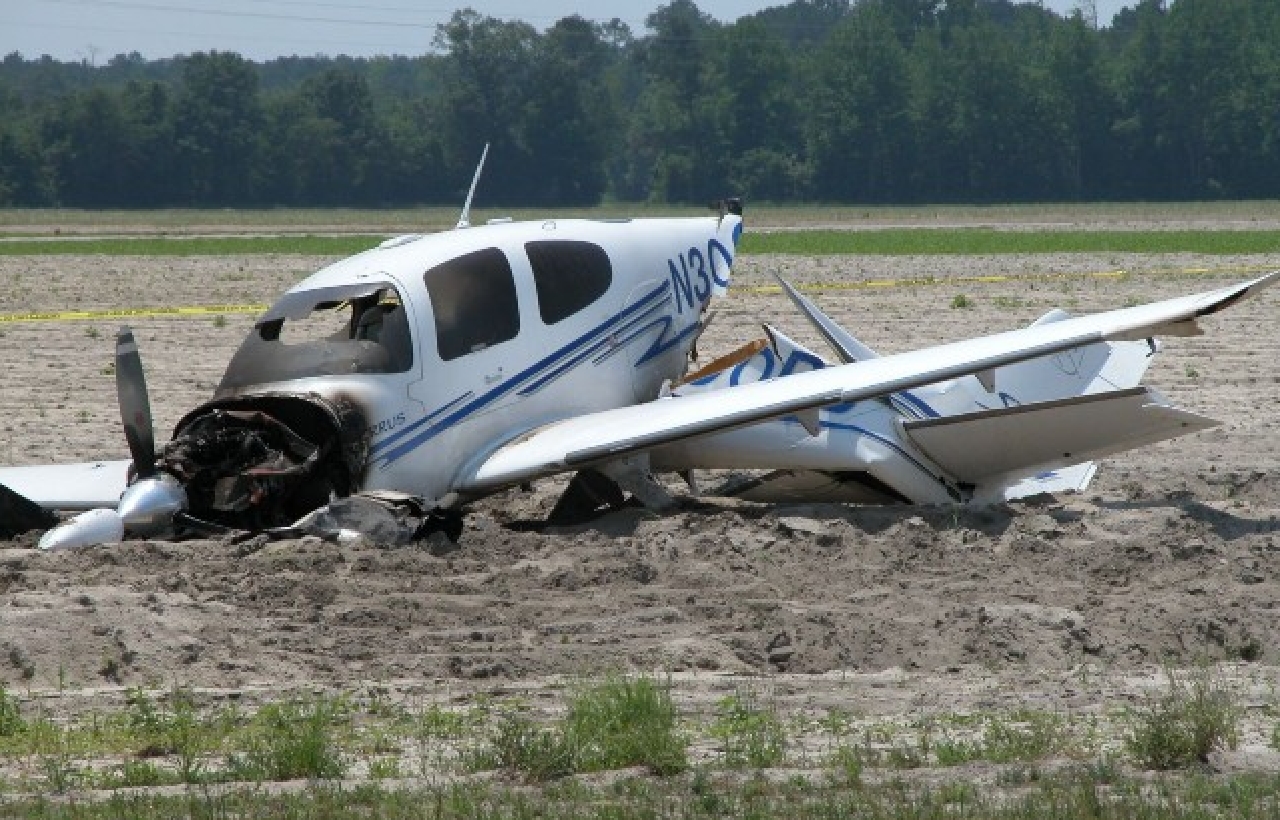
column 152, row 501
column 135, row 406
column 155, row 500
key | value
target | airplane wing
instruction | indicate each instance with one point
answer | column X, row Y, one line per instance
column 581, row 441
column 69, row 486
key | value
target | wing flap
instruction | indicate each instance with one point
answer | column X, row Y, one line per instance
column 976, row 447
column 584, row 440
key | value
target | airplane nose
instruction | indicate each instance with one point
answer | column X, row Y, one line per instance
column 148, row 506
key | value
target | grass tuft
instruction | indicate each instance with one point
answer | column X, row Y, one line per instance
column 627, row 722
column 1022, row 737
column 293, row 740
column 1181, row 726
column 11, row 722
column 539, row 753
column 610, row 725
column 751, row 734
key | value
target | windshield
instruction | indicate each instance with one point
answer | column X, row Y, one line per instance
column 336, row 331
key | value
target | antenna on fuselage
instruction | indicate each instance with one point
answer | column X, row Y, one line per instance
column 464, row 221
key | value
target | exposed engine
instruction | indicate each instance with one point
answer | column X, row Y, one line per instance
column 264, row 461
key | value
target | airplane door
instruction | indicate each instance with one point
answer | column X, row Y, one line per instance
column 471, row 323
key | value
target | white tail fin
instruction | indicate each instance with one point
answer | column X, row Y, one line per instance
column 464, row 221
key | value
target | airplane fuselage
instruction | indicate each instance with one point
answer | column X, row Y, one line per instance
column 469, row 338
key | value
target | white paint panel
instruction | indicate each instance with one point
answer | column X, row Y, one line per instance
column 82, row 486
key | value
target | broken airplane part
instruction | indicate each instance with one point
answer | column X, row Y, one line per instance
column 433, row 370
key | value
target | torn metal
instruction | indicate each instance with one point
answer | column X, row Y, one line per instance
column 258, row 462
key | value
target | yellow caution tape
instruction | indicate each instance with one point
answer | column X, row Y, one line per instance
column 129, row 313
column 865, row 284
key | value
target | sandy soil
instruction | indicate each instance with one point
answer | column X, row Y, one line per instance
column 1174, row 554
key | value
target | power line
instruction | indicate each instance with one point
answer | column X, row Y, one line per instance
column 257, row 15
column 416, row 47
column 90, row 29
column 294, row 18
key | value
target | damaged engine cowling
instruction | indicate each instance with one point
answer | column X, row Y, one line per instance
column 260, row 461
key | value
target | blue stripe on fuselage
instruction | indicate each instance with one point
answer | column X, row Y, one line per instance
column 618, row 341
column 918, row 403
column 853, row 428
column 399, row 434
column 404, row 447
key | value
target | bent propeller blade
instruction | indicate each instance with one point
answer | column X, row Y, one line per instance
column 135, row 407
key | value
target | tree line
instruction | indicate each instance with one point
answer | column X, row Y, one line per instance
column 870, row 101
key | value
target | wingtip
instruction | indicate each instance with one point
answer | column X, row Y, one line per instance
column 1239, row 293
column 1268, row 280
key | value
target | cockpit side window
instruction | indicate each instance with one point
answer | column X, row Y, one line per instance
column 570, row 275
column 474, row 301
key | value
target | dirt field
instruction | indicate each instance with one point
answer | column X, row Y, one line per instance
column 1173, row 555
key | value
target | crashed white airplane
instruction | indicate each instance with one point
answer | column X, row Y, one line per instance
column 434, row 370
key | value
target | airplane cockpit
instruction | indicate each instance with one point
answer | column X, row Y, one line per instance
column 343, row 330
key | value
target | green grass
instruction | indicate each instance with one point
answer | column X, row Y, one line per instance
column 615, row 724
column 887, row 242
column 611, row 748
column 293, row 740
column 1070, row 794
column 983, row 241
column 627, row 722
column 1020, row 738
column 750, row 732
column 1182, row 725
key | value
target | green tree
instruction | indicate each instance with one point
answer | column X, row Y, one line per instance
column 569, row 114
column 1220, row 98
column 85, row 137
column 910, row 17
column 859, row 121
column 217, row 127
column 765, row 144
column 486, row 71
column 802, row 22
column 148, row 156
column 1141, row 85
column 351, row 144
column 1087, row 107
column 24, row 179
column 985, row 118
column 679, row 140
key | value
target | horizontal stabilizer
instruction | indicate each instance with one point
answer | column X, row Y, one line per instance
column 84, row 486
column 1029, row 439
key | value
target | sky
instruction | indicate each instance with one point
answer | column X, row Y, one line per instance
column 95, row 30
